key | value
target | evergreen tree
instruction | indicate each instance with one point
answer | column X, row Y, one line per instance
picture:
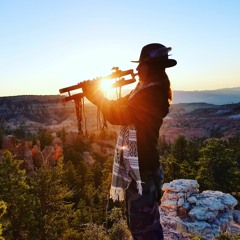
column 234, row 143
column 73, row 156
column 54, row 212
column 187, row 170
column 185, row 152
column 45, row 137
column 170, row 168
column 180, row 149
column 3, row 208
column 119, row 230
column 194, row 145
column 93, row 231
column 81, row 214
column 73, row 180
column 20, row 131
column 16, row 192
column 164, row 146
column 81, row 144
column 181, row 162
column 217, row 169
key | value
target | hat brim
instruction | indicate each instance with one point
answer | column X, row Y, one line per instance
column 165, row 63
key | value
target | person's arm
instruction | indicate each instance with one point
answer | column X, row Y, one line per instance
column 116, row 112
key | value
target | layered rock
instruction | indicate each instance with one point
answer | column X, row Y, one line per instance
column 185, row 210
column 9, row 143
column 33, row 157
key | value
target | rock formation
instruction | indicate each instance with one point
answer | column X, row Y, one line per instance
column 9, row 143
column 33, row 156
column 37, row 155
column 24, row 152
column 186, row 213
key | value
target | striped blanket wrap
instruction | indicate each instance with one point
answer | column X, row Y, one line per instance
column 125, row 166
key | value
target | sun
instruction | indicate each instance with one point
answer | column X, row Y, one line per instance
column 106, row 85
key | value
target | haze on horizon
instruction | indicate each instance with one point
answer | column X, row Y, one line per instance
column 48, row 45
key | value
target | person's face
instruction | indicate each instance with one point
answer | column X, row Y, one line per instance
column 142, row 69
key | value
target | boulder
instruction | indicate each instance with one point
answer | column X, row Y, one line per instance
column 203, row 214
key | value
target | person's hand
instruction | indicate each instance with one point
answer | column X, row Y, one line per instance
column 92, row 91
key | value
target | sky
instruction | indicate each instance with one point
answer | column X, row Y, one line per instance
column 46, row 45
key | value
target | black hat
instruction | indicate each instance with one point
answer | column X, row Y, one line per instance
column 156, row 52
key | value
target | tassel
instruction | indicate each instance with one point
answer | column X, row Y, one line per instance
column 139, row 187
column 116, row 194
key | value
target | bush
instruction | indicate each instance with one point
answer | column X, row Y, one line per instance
column 226, row 236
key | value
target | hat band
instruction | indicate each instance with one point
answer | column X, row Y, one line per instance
column 164, row 58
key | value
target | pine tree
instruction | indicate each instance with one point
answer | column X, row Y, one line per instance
column 119, row 230
column 164, row 146
column 217, row 168
column 184, row 151
column 234, row 143
column 73, row 180
column 180, row 149
column 16, row 192
column 171, row 168
column 45, row 137
column 3, row 210
column 54, row 212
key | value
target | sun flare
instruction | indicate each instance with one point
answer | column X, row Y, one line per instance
column 106, row 85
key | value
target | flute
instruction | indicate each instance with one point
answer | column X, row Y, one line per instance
column 117, row 74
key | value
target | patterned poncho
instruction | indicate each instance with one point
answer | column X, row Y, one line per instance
column 126, row 164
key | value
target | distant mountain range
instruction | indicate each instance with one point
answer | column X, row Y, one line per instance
column 219, row 96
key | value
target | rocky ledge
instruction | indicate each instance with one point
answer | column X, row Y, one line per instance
column 186, row 213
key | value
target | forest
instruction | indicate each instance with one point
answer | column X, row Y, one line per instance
column 70, row 200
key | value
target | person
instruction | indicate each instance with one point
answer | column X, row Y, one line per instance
column 137, row 173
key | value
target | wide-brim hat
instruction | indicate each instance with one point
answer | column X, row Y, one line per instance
column 156, row 52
